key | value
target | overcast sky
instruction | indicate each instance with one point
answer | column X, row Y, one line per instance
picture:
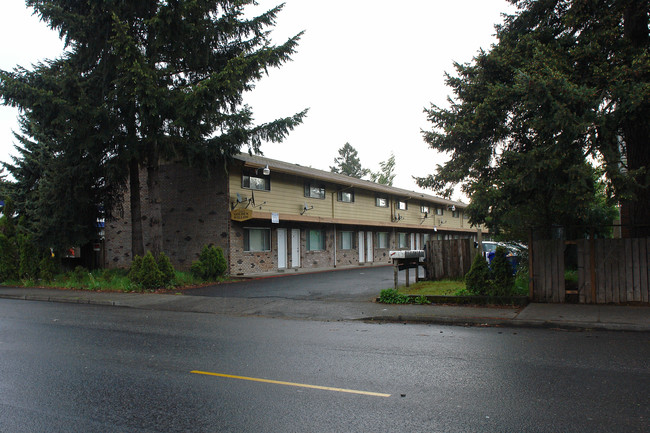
column 366, row 69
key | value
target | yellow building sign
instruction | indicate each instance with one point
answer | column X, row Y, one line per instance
column 241, row 214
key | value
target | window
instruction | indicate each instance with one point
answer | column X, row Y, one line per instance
column 347, row 240
column 439, row 211
column 315, row 240
column 314, row 191
column 424, row 208
column 401, row 205
column 254, row 179
column 402, row 240
column 346, row 196
column 382, row 240
column 426, row 238
column 381, row 202
column 257, row 239
column 455, row 213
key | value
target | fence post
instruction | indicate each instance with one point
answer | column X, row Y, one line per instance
column 592, row 264
column 531, row 274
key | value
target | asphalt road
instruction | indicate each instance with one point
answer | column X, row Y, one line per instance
column 83, row 368
column 358, row 284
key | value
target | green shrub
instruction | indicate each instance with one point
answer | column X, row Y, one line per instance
column 47, row 268
column 211, row 264
column 165, row 266
column 422, row 300
column 29, row 258
column 478, row 280
column 149, row 276
column 392, row 296
column 502, row 276
column 136, row 265
column 8, row 258
column 79, row 274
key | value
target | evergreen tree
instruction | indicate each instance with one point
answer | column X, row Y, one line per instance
column 566, row 85
column 348, row 163
column 385, row 174
column 169, row 78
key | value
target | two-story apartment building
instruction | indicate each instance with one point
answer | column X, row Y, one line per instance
column 271, row 216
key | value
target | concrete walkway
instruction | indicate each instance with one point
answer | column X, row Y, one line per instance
column 563, row 316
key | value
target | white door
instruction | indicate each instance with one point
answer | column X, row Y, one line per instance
column 295, row 248
column 412, row 244
column 418, row 245
column 362, row 248
column 282, row 248
column 369, row 254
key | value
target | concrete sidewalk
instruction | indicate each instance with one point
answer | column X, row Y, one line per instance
column 563, row 316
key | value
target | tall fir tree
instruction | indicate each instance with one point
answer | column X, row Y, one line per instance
column 562, row 95
column 170, row 78
column 348, row 163
column 386, row 173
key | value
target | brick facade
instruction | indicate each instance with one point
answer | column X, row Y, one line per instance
column 195, row 213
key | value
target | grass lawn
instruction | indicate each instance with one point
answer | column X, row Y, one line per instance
column 433, row 288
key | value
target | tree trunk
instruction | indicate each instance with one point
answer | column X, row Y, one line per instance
column 155, row 203
column 137, row 246
column 636, row 213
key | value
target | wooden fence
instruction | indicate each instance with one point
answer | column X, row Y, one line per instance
column 609, row 271
column 449, row 259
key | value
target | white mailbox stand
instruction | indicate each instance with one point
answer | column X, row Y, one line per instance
column 405, row 260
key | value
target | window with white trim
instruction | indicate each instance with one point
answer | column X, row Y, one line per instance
column 381, row 201
column 424, row 208
column 402, row 205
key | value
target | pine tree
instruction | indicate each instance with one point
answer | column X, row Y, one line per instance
column 169, row 78
column 567, row 84
column 385, row 175
column 348, row 163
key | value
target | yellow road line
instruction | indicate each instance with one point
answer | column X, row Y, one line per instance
column 301, row 385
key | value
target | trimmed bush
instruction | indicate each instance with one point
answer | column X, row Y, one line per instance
column 149, row 276
column 478, row 280
column 165, row 266
column 211, row 264
column 502, row 276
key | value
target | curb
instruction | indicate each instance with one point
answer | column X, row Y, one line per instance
column 439, row 320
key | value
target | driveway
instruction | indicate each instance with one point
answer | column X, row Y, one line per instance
column 358, row 284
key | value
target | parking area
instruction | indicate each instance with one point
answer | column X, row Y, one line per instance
column 356, row 284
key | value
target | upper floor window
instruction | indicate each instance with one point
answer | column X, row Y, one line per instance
column 455, row 213
column 253, row 178
column 381, row 201
column 402, row 205
column 439, row 211
column 314, row 191
column 424, row 208
column 346, row 196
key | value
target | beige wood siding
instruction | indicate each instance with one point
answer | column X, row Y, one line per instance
column 287, row 198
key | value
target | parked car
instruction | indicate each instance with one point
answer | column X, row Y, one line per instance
column 513, row 256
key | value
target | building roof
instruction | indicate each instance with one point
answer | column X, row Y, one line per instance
column 341, row 179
